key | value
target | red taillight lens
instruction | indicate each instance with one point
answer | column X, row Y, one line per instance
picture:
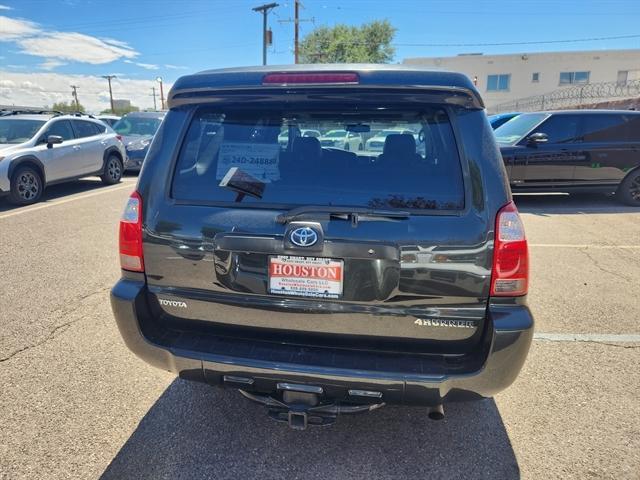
column 119, row 137
column 131, row 235
column 309, row 78
column 510, row 276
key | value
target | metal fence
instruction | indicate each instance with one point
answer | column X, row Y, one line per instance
column 577, row 96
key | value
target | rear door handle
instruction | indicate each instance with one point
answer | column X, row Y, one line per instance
column 77, row 147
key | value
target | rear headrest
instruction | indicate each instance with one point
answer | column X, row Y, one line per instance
column 399, row 144
column 308, row 147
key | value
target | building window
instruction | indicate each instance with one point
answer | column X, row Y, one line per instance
column 497, row 83
column 623, row 76
column 570, row 78
column 535, row 77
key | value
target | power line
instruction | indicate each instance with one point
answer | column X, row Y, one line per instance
column 499, row 44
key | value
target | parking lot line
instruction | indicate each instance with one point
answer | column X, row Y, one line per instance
column 568, row 245
column 66, row 200
column 587, row 337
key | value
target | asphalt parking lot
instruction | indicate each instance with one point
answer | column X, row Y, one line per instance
column 75, row 403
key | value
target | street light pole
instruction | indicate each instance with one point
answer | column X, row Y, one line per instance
column 264, row 9
column 109, row 77
column 159, row 80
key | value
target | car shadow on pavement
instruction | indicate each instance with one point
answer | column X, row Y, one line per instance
column 197, row 431
column 550, row 204
column 56, row 192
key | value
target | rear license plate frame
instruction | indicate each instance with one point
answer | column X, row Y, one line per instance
column 307, row 285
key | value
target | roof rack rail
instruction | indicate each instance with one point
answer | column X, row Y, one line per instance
column 4, row 111
column 75, row 114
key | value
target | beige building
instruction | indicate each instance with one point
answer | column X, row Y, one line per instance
column 506, row 78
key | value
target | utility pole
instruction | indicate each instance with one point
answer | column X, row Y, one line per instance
column 75, row 96
column 159, row 80
column 264, row 9
column 109, row 77
column 296, row 23
column 154, row 98
column 296, row 20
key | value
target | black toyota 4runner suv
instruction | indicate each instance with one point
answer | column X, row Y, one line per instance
column 321, row 280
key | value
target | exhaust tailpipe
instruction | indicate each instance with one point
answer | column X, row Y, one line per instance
column 436, row 413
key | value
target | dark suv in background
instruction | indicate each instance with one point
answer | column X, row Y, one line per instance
column 318, row 280
column 574, row 150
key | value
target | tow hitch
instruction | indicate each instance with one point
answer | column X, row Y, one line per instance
column 299, row 409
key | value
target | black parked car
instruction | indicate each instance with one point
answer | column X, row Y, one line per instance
column 574, row 150
column 500, row 119
column 316, row 280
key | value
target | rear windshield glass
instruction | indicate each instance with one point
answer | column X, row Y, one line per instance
column 243, row 155
column 137, row 126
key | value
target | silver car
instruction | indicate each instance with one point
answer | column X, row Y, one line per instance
column 41, row 148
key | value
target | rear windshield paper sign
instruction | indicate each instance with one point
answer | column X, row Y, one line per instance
column 260, row 160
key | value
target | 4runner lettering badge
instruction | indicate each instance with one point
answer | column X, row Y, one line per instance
column 444, row 323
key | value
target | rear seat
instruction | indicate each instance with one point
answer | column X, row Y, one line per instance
column 303, row 160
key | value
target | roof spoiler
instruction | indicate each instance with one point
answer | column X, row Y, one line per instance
column 455, row 96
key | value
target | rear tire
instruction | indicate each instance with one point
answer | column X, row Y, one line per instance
column 629, row 190
column 26, row 186
column 113, row 170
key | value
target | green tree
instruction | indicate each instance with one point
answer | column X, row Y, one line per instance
column 369, row 43
column 65, row 107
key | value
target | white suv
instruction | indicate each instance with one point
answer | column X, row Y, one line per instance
column 42, row 148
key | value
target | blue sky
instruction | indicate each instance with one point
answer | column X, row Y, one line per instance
column 141, row 39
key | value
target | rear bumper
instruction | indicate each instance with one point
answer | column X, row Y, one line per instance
column 134, row 160
column 218, row 361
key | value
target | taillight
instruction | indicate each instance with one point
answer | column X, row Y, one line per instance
column 310, row 78
column 119, row 137
column 131, row 235
column 510, row 276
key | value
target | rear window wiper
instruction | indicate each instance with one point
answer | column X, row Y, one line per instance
column 353, row 212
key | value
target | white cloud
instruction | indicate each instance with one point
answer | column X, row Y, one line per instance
column 13, row 28
column 148, row 66
column 5, row 7
column 72, row 46
column 32, row 86
column 51, row 64
column 175, row 67
column 113, row 41
column 45, row 88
